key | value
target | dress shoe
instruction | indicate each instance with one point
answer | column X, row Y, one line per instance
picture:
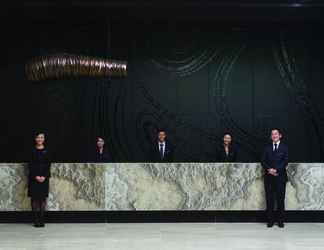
column 270, row 224
column 37, row 224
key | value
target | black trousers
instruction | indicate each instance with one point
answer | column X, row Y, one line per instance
column 275, row 190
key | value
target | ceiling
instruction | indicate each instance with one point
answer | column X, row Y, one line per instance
column 204, row 9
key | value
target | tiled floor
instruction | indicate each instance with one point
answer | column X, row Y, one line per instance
column 178, row 236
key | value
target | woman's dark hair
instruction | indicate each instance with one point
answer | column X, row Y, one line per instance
column 99, row 138
column 227, row 133
column 39, row 133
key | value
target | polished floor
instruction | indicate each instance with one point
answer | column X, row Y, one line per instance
column 180, row 236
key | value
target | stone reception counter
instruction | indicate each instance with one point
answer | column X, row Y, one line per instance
column 161, row 186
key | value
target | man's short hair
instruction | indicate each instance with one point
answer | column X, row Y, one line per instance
column 161, row 130
column 278, row 129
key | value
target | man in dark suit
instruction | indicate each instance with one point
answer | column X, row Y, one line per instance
column 162, row 150
column 274, row 161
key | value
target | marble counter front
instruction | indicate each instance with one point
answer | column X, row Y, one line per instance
column 161, row 186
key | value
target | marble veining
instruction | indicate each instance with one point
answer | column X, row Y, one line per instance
column 162, row 186
column 77, row 186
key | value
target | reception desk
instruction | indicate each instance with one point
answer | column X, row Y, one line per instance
column 161, row 186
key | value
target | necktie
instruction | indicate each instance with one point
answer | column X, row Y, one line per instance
column 161, row 151
column 275, row 147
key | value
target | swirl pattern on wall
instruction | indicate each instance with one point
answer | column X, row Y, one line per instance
column 295, row 83
column 248, row 140
column 183, row 55
column 225, row 58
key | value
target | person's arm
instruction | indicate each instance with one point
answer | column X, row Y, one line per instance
column 264, row 161
column 284, row 162
column 31, row 170
column 47, row 166
column 47, row 172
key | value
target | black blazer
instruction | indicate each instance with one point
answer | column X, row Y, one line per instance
column 231, row 157
column 39, row 164
column 277, row 160
column 104, row 157
column 154, row 154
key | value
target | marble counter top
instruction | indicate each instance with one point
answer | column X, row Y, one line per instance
column 161, row 186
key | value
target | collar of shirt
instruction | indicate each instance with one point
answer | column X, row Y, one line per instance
column 273, row 144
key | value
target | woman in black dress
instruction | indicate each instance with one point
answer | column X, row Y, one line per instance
column 228, row 151
column 101, row 153
column 38, row 179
